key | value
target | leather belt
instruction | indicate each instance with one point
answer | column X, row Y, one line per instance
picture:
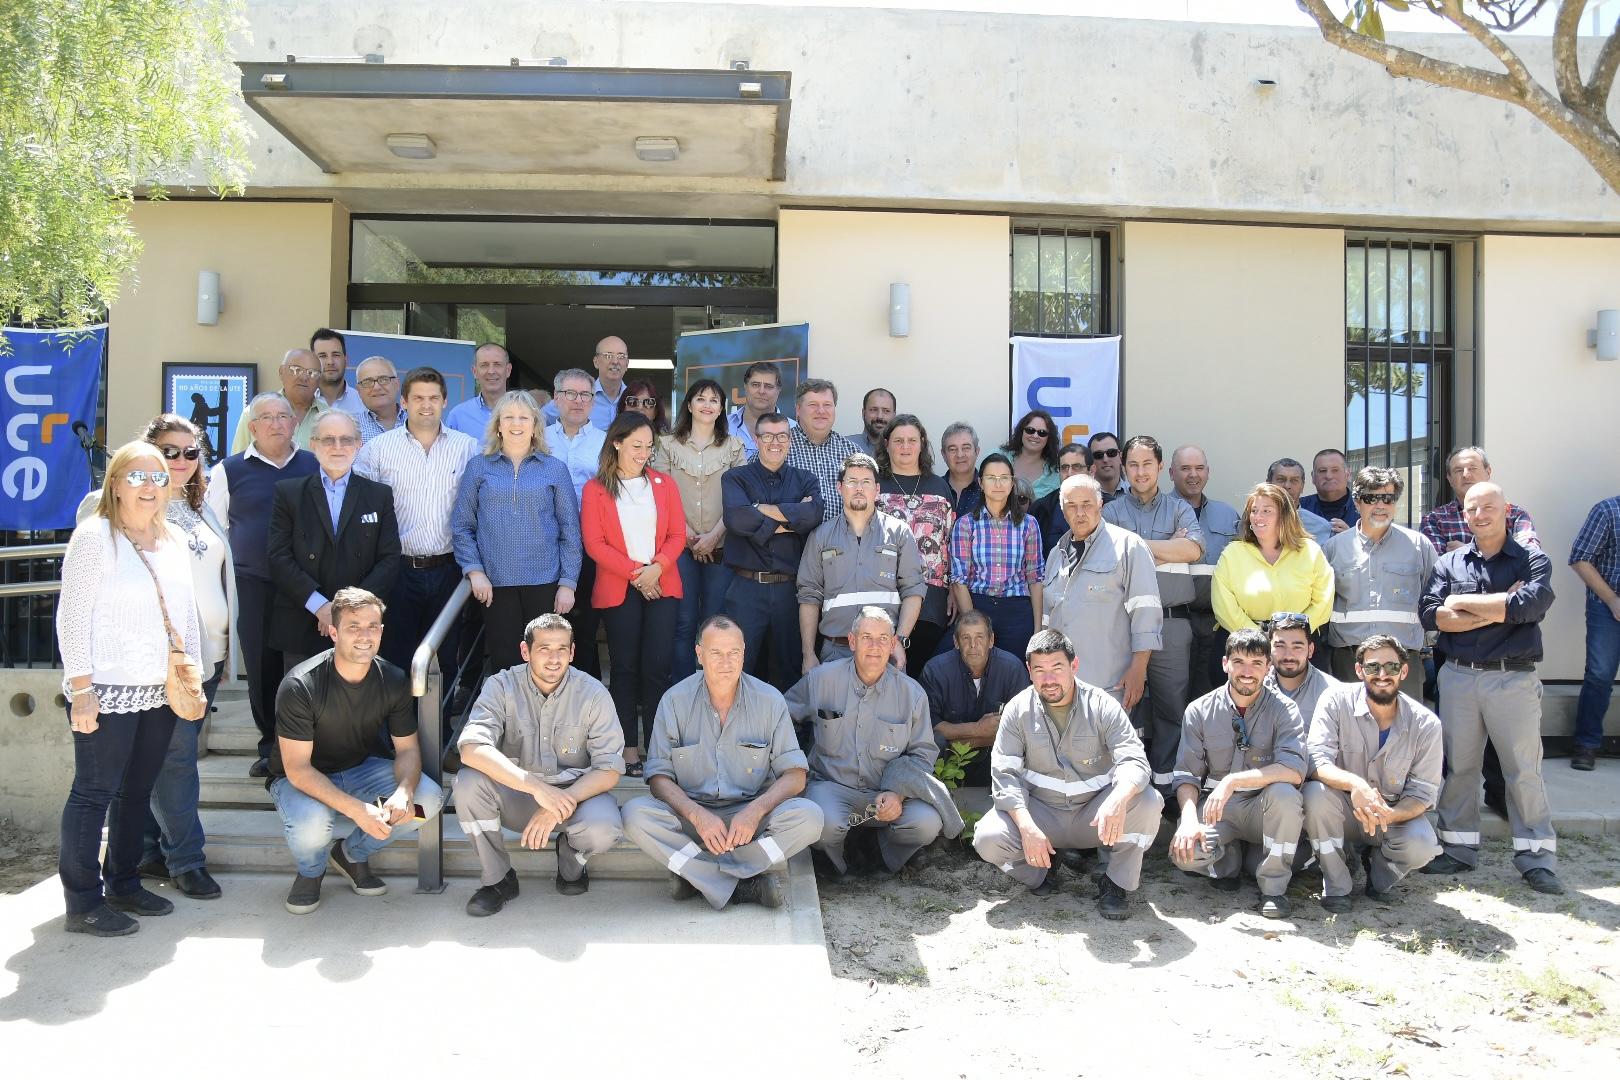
column 763, row 577
column 428, row 562
column 1178, row 611
column 1495, row 665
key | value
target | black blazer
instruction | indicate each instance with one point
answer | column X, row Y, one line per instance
column 307, row 556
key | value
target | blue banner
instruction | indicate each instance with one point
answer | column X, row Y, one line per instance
column 723, row 355
column 52, row 378
column 453, row 359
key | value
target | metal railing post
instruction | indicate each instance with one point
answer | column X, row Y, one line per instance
column 426, row 683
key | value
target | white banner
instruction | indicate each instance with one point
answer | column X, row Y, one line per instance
column 1074, row 379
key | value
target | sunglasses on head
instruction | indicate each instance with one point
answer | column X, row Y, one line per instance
column 137, row 477
column 1382, row 498
column 190, row 453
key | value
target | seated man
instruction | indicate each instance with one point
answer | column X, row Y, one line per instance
column 863, row 715
column 724, row 769
column 541, row 751
column 967, row 688
column 1068, row 771
column 1244, row 744
column 1375, row 771
column 328, row 762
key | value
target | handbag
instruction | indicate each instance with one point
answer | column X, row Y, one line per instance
column 183, row 687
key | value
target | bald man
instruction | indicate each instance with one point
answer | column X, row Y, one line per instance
column 300, row 374
column 612, row 361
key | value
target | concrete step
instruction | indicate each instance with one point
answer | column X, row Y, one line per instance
column 1558, row 712
column 252, row 841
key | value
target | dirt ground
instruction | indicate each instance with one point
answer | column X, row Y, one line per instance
column 25, row 859
column 953, row 970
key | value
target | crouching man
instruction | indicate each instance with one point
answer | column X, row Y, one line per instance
column 724, row 769
column 1375, row 767
column 1244, row 744
column 540, row 753
column 1068, row 771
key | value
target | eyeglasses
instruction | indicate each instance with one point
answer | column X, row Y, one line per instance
column 377, row 382
column 995, row 479
column 1032, row 430
column 641, row 402
column 190, row 453
column 612, row 356
column 1376, row 668
column 137, row 477
column 1076, row 467
column 275, row 418
column 774, row 438
column 1114, row 453
column 575, row 395
column 337, row 440
column 298, row 372
column 1380, row 498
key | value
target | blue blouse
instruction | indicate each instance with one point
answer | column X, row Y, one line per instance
column 519, row 526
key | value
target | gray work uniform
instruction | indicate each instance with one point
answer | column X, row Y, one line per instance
column 1062, row 780
column 1105, row 597
column 1270, row 817
column 722, row 767
column 1159, row 713
column 842, row 571
column 858, row 730
column 1376, row 591
column 556, row 737
column 1317, row 682
column 1344, row 733
column 1220, row 524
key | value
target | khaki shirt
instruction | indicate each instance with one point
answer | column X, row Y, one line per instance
column 859, row 729
column 1344, row 733
column 697, row 473
column 1161, row 518
column 1108, row 604
column 1100, row 748
column 1377, row 586
column 1209, row 745
column 842, row 572
column 714, row 763
column 558, row 736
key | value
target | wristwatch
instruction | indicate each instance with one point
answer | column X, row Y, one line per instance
column 904, row 640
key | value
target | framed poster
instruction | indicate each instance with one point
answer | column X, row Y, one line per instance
column 723, row 355
column 212, row 396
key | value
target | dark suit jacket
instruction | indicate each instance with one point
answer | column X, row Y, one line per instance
column 307, row 556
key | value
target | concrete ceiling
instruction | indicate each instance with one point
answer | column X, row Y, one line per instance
column 578, row 244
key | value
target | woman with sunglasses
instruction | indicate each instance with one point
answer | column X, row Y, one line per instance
column 1271, row 566
column 115, row 659
column 641, row 396
column 996, row 563
column 1033, row 450
column 909, row 490
column 697, row 453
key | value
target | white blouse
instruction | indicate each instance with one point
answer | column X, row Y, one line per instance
column 207, row 562
column 638, row 518
column 108, row 624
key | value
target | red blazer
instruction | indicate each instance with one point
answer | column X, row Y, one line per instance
column 604, row 540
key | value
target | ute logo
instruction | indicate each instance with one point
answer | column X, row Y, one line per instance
column 26, row 475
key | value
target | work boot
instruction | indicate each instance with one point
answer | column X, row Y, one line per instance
column 1543, row 880
column 1337, row 905
column 361, row 879
column 491, row 898
column 1445, row 864
column 198, row 884
column 1226, row 884
column 1583, row 760
column 680, row 888
column 305, row 894
column 1049, row 884
column 1276, row 907
column 762, row 889
column 1113, row 902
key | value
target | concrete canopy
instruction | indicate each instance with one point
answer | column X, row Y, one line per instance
column 553, row 120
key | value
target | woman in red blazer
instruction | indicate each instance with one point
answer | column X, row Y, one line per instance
column 634, row 529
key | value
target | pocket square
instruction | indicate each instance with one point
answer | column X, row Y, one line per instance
column 369, row 519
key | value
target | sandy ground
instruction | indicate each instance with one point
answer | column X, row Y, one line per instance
column 952, row 970
column 24, row 858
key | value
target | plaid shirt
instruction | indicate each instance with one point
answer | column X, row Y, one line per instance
column 1445, row 523
column 1599, row 541
column 995, row 556
column 822, row 462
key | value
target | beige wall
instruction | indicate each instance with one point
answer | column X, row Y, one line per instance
column 283, row 270
column 836, row 267
column 1234, row 340
column 1547, row 405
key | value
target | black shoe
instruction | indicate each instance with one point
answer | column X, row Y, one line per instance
column 565, row 855
column 361, row 879
column 1583, row 760
column 1445, row 864
column 260, row 767
column 198, row 884
column 1337, row 905
column 680, row 888
column 156, row 870
column 1276, row 907
column 1113, row 902
column 101, row 922
column 1496, row 802
column 1376, row 894
column 491, row 898
column 1077, row 860
column 1049, row 884
column 1543, row 880
column 1225, row 884
column 824, row 868
column 762, row 889
column 305, row 894
column 140, row 902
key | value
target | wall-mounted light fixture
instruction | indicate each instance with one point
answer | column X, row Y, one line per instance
column 412, row 145
column 1606, row 338
column 657, row 147
column 899, row 309
column 210, row 301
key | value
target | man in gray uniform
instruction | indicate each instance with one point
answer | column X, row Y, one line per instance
column 724, row 770
column 1170, row 529
column 1379, row 569
column 1100, row 589
column 1292, row 673
column 541, row 751
column 1189, row 471
column 1243, row 743
column 1067, row 771
column 860, row 558
column 864, row 713
column 1375, row 771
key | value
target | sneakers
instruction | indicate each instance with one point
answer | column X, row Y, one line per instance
column 101, row 922
column 1337, row 905
column 1543, row 880
column 567, row 856
column 762, row 889
column 1276, row 907
column 1113, row 902
column 680, row 888
column 361, row 879
column 1445, row 864
column 491, row 898
column 305, row 894
column 140, row 902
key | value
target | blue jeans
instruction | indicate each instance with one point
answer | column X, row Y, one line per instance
column 1012, row 619
column 417, row 598
column 768, row 616
column 1602, row 662
column 311, row 825
column 174, row 828
column 703, row 593
column 114, row 768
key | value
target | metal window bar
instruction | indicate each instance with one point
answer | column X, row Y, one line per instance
column 1059, row 298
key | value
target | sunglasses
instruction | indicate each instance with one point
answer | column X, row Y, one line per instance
column 137, row 477
column 1105, row 453
column 1382, row 498
column 190, row 453
column 1385, row 667
column 1030, row 430
column 641, row 402
column 1240, row 733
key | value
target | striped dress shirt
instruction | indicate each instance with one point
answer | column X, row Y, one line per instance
column 425, row 482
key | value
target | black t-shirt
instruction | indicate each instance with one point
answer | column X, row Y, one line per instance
column 347, row 722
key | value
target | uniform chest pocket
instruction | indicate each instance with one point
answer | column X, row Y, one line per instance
column 1403, row 582
column 753, row 758
column 687, row 763
column 888, row 563
column 1098, row 588
column 1088, row 755
column 886, row 739
column 570, row 745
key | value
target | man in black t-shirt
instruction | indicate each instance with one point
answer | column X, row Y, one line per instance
column 342, row 792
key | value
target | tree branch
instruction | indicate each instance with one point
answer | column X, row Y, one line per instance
column 1601, row 81
column 1405, row 62
column 1566, row 60
column 1452, row 11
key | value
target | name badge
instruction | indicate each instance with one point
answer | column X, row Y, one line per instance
column 828, row 554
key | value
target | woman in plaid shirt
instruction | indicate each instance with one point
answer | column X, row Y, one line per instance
column 996, row 559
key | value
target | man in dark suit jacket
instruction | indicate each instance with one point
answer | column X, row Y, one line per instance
column 327, row 532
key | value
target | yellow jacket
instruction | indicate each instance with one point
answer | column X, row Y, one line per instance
column 1246, row 590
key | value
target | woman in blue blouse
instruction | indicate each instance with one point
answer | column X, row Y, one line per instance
column 516, row 527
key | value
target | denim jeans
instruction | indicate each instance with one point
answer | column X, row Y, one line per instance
column 114, row 768
column 703, row 593
column 174, row 829
column 768, row 616
column 1602, row 661
column 311, row 826
column 1011, row 617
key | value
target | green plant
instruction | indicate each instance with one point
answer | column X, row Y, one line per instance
column 951, row 766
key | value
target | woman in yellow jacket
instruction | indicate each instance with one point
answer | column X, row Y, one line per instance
column 1272, row 566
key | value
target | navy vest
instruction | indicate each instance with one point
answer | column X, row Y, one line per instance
column 252, row 485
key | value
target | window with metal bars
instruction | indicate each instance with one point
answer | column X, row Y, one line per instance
column 1060, row 281
column 1399, row 352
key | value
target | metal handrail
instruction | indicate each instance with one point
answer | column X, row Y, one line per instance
column 29, row 588
column 425, row 686
column 32, row 551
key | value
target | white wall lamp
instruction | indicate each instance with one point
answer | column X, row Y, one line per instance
column 899, row 309
column 1606, row 338
column 657, row 147
column 411, row 145
column 210, row 301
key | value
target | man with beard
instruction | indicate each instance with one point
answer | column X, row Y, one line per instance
column 1375, row 772
column 1292, row 673
column 332, row 358
column 877, row 409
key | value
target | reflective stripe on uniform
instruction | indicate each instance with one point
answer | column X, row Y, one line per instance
column 1196, row 569
column 682, row 857
column 1277, row 850
column 1459, row 838
column 1375, row 617
column 1071, row 789
column 476, row 826
column 876, row 597
column 1331, row 844
column 1140, row 839
column 1534, row 844
column 771, row 848
column 1163, row 778
column 1137, row 603
column 1006, row 761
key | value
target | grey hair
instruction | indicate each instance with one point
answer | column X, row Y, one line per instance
column 337, row 414
column 959, row 428
column 1455, row 454
column 1282, row 463
column 566, row 374
column 1080, row 480
column 287, row 357
column 1374, row 477
column 392, row 370
column 872, row 614
column 268, row 395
